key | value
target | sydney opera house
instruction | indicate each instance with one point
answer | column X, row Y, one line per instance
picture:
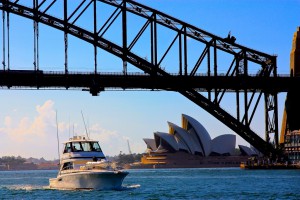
column 191, row 146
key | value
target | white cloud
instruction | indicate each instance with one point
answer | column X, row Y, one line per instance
column 26, row 129
column 7, row 121
column 35, row 136
column 29, row 135
column 111, row 142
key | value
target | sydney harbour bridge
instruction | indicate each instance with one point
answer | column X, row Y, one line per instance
column 200, row 79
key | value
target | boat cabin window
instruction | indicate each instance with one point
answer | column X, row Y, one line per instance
column 82, row 146
column 86, row 146
column 90, row 146
column 67, row 165
column 76, row 146
column 95, row 146
column 68, row 148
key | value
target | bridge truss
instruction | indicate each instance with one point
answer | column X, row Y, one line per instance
column 196, row 60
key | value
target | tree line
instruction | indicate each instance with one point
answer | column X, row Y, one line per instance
column 12, row 160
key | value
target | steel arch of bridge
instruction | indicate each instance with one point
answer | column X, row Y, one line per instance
column 239, row 67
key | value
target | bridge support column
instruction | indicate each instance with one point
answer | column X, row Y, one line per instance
column 291, row 115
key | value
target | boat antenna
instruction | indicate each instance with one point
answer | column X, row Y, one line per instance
column 57, row 138
column 73, row 131
column 87, row 134
column 69, row 127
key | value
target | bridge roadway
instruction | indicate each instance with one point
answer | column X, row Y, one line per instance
column 96, row 83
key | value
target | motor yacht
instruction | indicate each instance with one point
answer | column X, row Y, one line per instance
column 83, row 165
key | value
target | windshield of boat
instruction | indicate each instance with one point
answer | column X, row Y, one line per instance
column 68, row 148
column 77, row 146
column 82, row 146
column 95, row 146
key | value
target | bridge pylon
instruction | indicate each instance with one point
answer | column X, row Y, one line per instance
column 290, row 130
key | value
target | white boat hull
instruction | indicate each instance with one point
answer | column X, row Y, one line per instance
column 97, row 180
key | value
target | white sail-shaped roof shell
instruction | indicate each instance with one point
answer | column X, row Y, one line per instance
column 185, row 137
column 164, row 138
column 150, row 143
column 256, row 151
column 196, row 139
column 247, row 150
column 223, row 144
column 181, row 145
column 193, row 138
column 204, row 138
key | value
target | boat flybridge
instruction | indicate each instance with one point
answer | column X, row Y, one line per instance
column 83, row 165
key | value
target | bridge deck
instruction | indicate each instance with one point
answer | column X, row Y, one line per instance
column 202, row 82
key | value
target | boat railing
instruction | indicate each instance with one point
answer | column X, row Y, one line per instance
column 91, row 165
column 68, row 171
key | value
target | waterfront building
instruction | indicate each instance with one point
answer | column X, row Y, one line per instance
column 192, row 146
column 292, row 145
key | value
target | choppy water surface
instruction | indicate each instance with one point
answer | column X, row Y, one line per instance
column 225, row 183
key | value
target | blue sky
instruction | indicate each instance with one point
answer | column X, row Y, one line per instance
column 28, row 125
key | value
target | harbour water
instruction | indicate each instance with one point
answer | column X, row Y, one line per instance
column 213, row 183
